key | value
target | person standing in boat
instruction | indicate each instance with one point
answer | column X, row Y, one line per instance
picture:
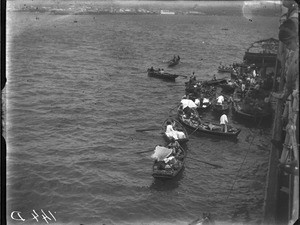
column 243, row 87
column 192, row 79
column 224, row 122
column 220, row 100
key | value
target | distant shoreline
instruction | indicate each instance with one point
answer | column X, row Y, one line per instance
column 94, row 7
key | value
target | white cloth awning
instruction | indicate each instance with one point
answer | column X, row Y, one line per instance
column 188, row 103
column 161, row 152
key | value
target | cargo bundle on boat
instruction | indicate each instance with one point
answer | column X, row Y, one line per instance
column 175, row 131
column 169, row 161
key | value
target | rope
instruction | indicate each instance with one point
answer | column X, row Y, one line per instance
column 235, row 179
column 176, row 106
column 194, row 130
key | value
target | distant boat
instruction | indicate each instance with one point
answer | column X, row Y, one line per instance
column 173, row 62
column 166, row 12
column 163, row 76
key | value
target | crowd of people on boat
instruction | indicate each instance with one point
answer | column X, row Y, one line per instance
column 224, row 68
column 159, row 70
column 253, row 89
column 246, row 84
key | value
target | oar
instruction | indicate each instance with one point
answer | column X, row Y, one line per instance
column 148, row 129
column 176, row 106
column 194, row 130
column 149, row 150
column 175, row 85
column 198, row 160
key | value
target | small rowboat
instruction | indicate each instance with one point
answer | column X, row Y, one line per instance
column 254, row 116
column 177, row 127
column 194, row 123
column 173, row 62
column 225, row 69
column 163, row 76
column 214, row 82
column 205, row 220
column 169, row 170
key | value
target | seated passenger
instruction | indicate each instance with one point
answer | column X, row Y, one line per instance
column 173, row 144
column 171, row 133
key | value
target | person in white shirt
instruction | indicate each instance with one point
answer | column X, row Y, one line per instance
column 224, row 122
column 171, row 133
column 220, row 99
column 197, row 102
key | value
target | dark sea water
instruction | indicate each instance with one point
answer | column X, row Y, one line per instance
column 77, row 92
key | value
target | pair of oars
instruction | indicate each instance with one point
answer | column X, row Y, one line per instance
column 197, row 160
column 150, row 150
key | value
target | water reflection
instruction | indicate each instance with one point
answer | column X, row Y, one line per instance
column 167, row 184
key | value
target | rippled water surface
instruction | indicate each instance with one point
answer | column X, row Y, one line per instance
column 77, row 92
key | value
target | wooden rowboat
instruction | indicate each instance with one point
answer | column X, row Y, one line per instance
column 178, row 127
column 225, row 69
column 255, row 116
column 173, row 62
column 164, row 76
column 194, row 123
column 214, row 82
column 163, row 170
